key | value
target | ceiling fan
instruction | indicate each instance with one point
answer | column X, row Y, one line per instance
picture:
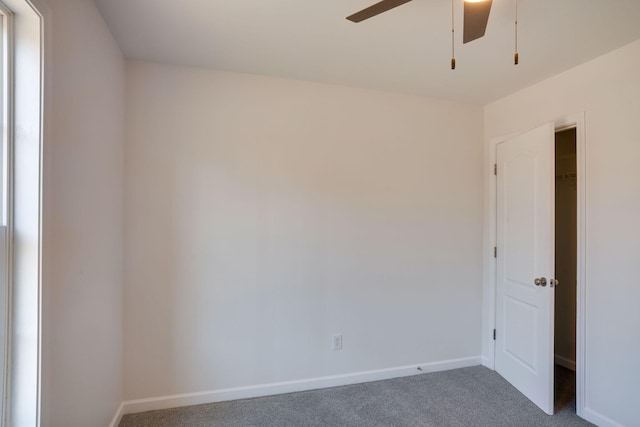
column 476, row 15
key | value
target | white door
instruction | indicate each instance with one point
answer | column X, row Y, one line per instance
column 525, row 264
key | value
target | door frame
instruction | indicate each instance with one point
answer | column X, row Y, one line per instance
column 576, row 121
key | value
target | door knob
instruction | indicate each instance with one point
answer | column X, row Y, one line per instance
column 554, row 282
column 540, row 282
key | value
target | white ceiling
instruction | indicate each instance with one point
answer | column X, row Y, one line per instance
column 407, row 49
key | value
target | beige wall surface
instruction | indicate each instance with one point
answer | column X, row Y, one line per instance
column 265, row 215
column 84, row 170
column 608, row 90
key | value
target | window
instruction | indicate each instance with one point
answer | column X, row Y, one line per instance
column 21, row 105
column 5, row 202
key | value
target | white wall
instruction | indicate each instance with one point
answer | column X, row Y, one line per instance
column 264, row 215
column 608, row 89
column 84, row 169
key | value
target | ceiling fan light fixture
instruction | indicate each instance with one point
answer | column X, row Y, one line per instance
column 476, row 17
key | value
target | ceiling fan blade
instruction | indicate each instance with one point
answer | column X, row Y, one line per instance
column 376, row 9
column 476, row 16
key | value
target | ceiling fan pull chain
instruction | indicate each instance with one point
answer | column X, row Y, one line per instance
column 515, row 55
column 453, row 45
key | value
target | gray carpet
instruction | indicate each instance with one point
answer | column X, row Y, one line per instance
column 473, row 396
column 565, row 390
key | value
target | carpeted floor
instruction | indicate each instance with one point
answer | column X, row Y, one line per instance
column 473, row 396
column 565, row 390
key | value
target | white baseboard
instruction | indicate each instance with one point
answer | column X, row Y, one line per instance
column 221, row 395
column 485, row 362
column 115, row 421
column 567, row 363
column 599, row 419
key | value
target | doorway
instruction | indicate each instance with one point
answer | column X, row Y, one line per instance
column 496, row 328
column 566, row 240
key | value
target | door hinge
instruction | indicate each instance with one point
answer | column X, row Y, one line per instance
column 494, row 334
column 495, row 252
column 495, row 169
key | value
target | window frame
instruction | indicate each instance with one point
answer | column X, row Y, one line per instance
column 6, row 203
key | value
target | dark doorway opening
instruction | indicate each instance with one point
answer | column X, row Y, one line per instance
column 566, row 238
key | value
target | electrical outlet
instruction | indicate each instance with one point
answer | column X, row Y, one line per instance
column 337, row 342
